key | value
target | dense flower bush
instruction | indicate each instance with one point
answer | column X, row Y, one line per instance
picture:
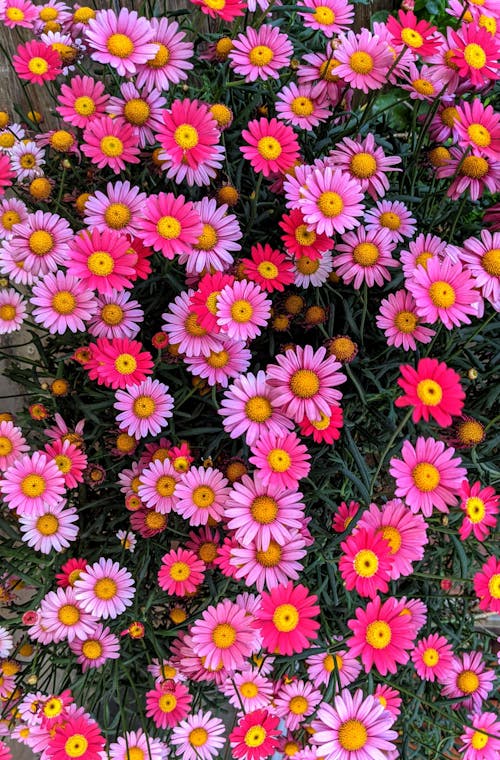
column 250, row 510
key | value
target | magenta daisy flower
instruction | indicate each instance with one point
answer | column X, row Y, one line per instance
column 111, row 142
column 280, row 458
column 144, row 408
column 62, row 303
column 303, row 106
column 12, row 211
column 189, row 138
column 326, row 428
column 116, row 316
column 433, row 389
column 295, row 701
column 400, row 321
column 319, row 69
column 158, row 485
column 260, row 54
column 12, row 443
column 242, row 310
column 255, row 736
column 70, row 460
column 249, row 408
column 143, row 109
column 101, row 260
column 272, row 146
column 328, row 16
column 299, row 240
column 306, row 381
column 181, row 572
column 227, row 10
column 366, row 561
column 472, row 172
column 392, row 216
column 364, row 59
column 381, row 635
column 325, row 668
column 250, row 689
column 31, row 482
column 82, row 100
column 432, row 657
column 63, row 617
column 231, row 361
column 285, row 619
column 478, row 127
column 169, row 224
column 6, row 173
column 95, row 648
column 36, row 62
column 364, row 256
column 42, row 242
column 482, row 259
column 475, row 54
column 417, row 35
column 487, row 585
column 171, row 62
column 79, row 731
column 480, row 505
column 357, row 727
column 271, row 567
column 331, row 201
column 199, row 736
column 12, row 311
column 224, row 635
column 366, row 162
column 123, row 41
column 269, row 268
column 217, row 242
column 53, row 529
column 118, row 209
column 105, row 589
column 481, row 741
column 444, row 292
column 261, row 513
column 467, row 678
column 201, row 495
column 182, row 325
column 168, row 707
column 19, row 13
column 428, row 475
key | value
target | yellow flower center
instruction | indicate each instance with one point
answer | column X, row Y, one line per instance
column 494, row 586
column 269, row 148
column 439, row 156
column 442, row 294
column 41, row 242
column 221, row 113
column 6, row 446
column 137, row 111
column 468, row 681
column 302, row 106
column 120, row 45
column 135, row 753
column 430, row 657
column 111, row 146
column 322, row 423
column 255, row 736
column 324, row 15
column 76, row 745
column 378, row 634
column 326, row 70
column 479, row 135
column 423, row 86
column 392, row 536
column 290, row 749
column 264, row 510
column 64, row 302
column 186, row 136
column 105, row 588
column 193, row 327
column 426, row 477
column 180, row 571
column 125, row 364
column 224, row 636
column 207, row 552
column 363, row 165
column 304, row 383
column 479, row 740
column 144, row 407
column 68, row 614
column 62, row 140
column 100, row 263
column 475, row 509
column 7, row 140
column 491, row 262
column 286, row 618
column 475, row 56
column 260, row 55
column 198, row 737
column 352, row 735
column 9, row 219
column 241, row 311
column 365, row 563
column 412, row 38
column 211, row 302
column 161, row 58
column 38, row 65
column 279, row 460
column 165, row 485
column 208, row 239
column 470, row 432
column 203, row 497
column 429, row 392
column 168, row 227
column 343, row 348
column 361, row 63
column 218, row 359
column 258, row 409
column 489, row 23
column 63, row 463
column 33, row 485
column 271, row 557
column 7, row 312
column 248, row 690
column 306, row 266
column 125, row 443
column 330, row 204
column 28, row 161
column 155, row 520
column 268, row 270
column 117, row 216
column 84, row 106
column 73, row 576
column 167, row 703
column 303, row 236
column 14, row 14
column 474, row 167
column 217, row 5
column 92, row 649
column 366, row 254
column 390, row 220
column 52, row 707
column 298, row 705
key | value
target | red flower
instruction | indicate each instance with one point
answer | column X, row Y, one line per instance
column 256, row 736
column 285, row 618
column 417, row 35
column 433, row 389
column 37, row 62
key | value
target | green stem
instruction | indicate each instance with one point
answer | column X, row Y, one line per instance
column 388, row 448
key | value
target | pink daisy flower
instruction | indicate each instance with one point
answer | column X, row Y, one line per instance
column 204, row 300
column 158, row 485
column 143, row 109
column 19, row 13
column 329, row 16
column 101, row 260
column 260, row 54
column 392, row 216
column 433, row 389
column 467, row 678
column 357, row 727
column 299, row 240
column 325, row 429
column 217, row 242
column 171, row 62
column 144, row 408
column 444, row 292
column 481, row 740
column 182, row 325
column 12, row 311
column 70, row 571
column 319, row 69
column 303, row 106
column 62, row 303
column 417, row 35
column 181, row 572
column 471, row 172
column 120, row 363
column 400, row 321
column 199, row 736
column 169, row 224
column 6, row 173
column 268, row 268
column 31, row 482
column 306, row 381
column 256, row 736
column 105, row 589
column 481, row 258
column 295, row 701
column 189, row 138
column 423, row 83
column 12, row 443
column 365, row 564
column 82, row 100
column 118, row 209
column 344, row 515
column 487, row 585
column 53, row 529
column 250, row 689
column 280, row 459
column 261, row 513
column 139, row 744
column 381, row 635
column 123, row 41
column 36, row 62
column 168, row 707
column 365, row 60
column 12, row 211
column 366, row 162
column 111, row 142
column 27, row 160
column 78, row 733
column 338, row 667
column 480, row 505
column 423, row 248
column 432, row 657
column 285, row 619
column 231, row 361
column 331, row 202
column 228, row 10
column 205, row 543
column 242, row 310
column 201, row 495
column 70, row 460
column 118, row 316
column 364, row 256
column 148, row 522
column 428, row 476
column 475, row 54
column 389, row 699
column 478, row 127
column 224, row 635
column 271, row 567
column 62, row 616
column 42, row 242
column 272, row 146
column 96, row 648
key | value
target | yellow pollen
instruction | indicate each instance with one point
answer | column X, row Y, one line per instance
column 52, row 707
column 491, row 262
column 208, row 239
column 352, row 735
column 161, row 58
column 423, row 87
column 304, row 383
column 207, row 552
column 165, row 485
column 343, row 348
column 73, row 576
column 302, row 106
column 268, row 270
column 100, row 263
column 112, row 314
column 258, row 409
column 7, row 140
column 137, row 111
column 198, row 737
column 429, row 392
column 298, row 705
column 494, row 586
column 135, row 753
column 479, row 740
column 40, row 188
column 117, row 216
column 92, row 649
column 179, row 571
column 390, row 220
column 167, row 703
column 326, row 70
column 68, row 614
column 224, row 636
column 475, row 56
column 260, row 55
column 315, row 315
column 38, row 65
column 442, row 294
column 64, row 302
column 426, row 477
column 279, row 460
column 363, row 165
column 168, row 227
column 423, row 258
column 365, row 563
column 221, row 113
column 248, row 690
column 9, row 219
column 155, row 520
column 366, row 254
column 193, row 327
column 48, row 14
column 322, row 423
column 241, row 311
column 271, row 557
column 111, row 146
column 7, row 312
column 33, row 486
column 330, row 204
column 218, row 359
column 223, row 47
column 392, row 536
column 286, row 618
column 255, row 736
column 468, row 681
column 120, row 45
column 412, row 38
column 144, row 407
column 28, row 161
column 378, row 634
column 329, row 663
column 489, row 23
column 307, row 266
column 41, row 242
column 186, row 137
column 269, row 148
column 264, row 510
column 105, row 588
column 125, row 364
column 303, row 236
column 76, row 745
column 294, row 304
column 439, row 156
column 470, row 432
column 125, row 443
column 449, row 116
column 217, row 5
column 479, row 135
column 430, row 657
column 63, row 463
column 474, row 167
column 6, row 446
column 361, row 62
column 324, row 15
column 62, row 140
column 203, row 497
column 84, row 106
column 475, row 509
column 14, row 14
